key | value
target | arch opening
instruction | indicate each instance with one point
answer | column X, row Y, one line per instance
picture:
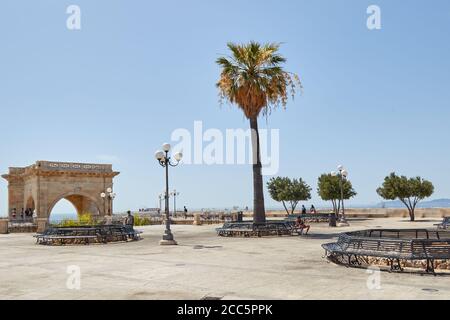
column 62, row 210
column 30, row 208
column 72, row 207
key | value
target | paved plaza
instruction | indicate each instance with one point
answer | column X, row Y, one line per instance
column 204, row 265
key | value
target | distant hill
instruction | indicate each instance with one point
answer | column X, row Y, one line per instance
column 438, row 203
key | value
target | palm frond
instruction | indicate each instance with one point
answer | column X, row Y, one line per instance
column 253, row 78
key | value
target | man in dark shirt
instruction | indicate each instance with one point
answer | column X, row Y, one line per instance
column 130, row 219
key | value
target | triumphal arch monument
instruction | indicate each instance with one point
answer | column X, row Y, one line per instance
column 41, row 186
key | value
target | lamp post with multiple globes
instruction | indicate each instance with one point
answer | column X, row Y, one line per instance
column 161, row 198
column 174, row 194
column 108, row 195
column 165, row 161
column 342, row 173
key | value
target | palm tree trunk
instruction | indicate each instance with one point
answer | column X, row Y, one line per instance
column 259, row 212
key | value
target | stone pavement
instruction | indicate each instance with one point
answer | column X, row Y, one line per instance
column 205, row 265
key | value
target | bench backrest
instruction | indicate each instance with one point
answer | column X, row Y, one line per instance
column 375, row 244
column 436, row 249
column 406, row 234
column 416, row 248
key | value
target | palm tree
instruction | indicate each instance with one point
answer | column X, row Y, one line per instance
column 253, row 79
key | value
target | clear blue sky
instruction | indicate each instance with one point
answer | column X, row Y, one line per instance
column 375, row 101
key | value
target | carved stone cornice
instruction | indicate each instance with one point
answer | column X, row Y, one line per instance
column 70, row 169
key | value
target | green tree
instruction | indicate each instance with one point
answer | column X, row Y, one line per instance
column 289, row 192
column 410, row 191
column 253, row 79
column 329, row 189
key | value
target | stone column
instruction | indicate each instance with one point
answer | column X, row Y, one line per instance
column 42, row 224
column 4, row 226
column 197, row 219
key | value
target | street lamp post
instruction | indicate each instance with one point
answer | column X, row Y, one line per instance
column 174, row 194
column 108, row 195
column 165, row 161
column 160, row 197
column 342, row 173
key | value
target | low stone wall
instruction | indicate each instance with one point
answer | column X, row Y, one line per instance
column 435, row 213
column 4, row 226
column 23, row 229
column 439, row 265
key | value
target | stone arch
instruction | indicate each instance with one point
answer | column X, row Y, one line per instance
column 48, row 182
column 83, row 203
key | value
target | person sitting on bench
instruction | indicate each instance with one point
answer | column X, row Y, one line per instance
column 300, row 224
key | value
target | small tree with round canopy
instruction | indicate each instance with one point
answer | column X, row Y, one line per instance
column 289, row 191
column 329, row 189
column 410, row 191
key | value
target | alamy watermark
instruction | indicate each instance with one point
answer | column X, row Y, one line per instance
column 73, row 281
column 229, row 147
column 374, row 278
column 73, row 22
column 374, row 19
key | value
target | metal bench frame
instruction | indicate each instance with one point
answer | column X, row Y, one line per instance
column 250, row 229
column 445, row 224
column 355, row 248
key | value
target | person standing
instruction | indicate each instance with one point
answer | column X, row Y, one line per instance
column 303, row 209
column 129, row 221
column 185, row 212
column 313, row 209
